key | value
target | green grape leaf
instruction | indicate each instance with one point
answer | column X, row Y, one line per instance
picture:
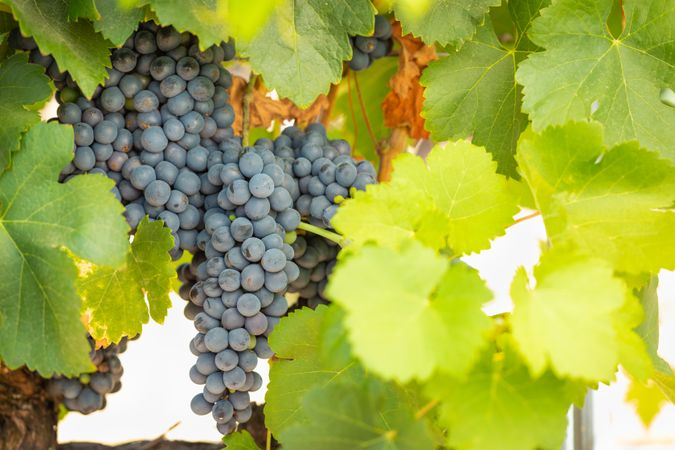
column 473, row 92
column 647, row 399
column 573, row 318
column 39, row 217
column 444, row 21
column 75, row 46
column 501, row 407
column 298, row 344
column 435, row 322
column 241, row 440
column 23, row 87
column 300, row 50
column 115, row 298
column 614, row 203
column 348, row 118
column 665, row 380
column 117, row 23
column 456, row 200
column 83, row 9
column 196, row 16
column 586, row 73
column 371, row 416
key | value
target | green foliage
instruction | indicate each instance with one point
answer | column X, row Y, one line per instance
column 197, row 16
column 115, row 297
column 117, row 23
column 474, row 91
column 241, row 440
column 38, row 218
column 586, row 73
column 298, row 341
column 570, row 319
column 76, row 47
column 300, row 49
column 349, row 119
column 456, row 200
column 405, row 357
column 23, row 89
column 436, row 322
column 614, row 203
column 372, row 416
column 83, row 9
column 502, row 407
column 648, row 400
column 444, row 21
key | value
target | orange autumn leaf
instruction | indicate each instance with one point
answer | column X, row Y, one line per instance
column 403, row 105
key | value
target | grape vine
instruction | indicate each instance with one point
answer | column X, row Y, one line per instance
column 316, row 192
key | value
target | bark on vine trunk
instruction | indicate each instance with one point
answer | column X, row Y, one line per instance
column 27, row 418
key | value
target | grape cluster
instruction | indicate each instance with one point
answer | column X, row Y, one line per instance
column 235, row 284
column 325, row 174
column 366, row 49
column 153, row 126
column 87, row 392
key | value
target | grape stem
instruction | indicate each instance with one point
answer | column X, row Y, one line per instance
column 426, row 408
column 321, row 232
column 246, row 106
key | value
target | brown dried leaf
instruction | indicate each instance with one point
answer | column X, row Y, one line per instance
column 403, row 105
column 263, row 109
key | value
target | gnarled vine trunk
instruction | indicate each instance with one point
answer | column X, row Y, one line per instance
column 27, row 417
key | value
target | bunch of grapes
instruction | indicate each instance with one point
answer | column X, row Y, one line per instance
column 366, row 49
column 153, row 126
column 325, row 174
column 87, row 393
column 235, row 284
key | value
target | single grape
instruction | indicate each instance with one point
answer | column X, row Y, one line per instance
column 222, row 411
column 274, row 260
column 252, row 277
column 359, row 61
column 124, row 60
column 241, row 229
column 200, row 406
column 180, row 104
column 257, row 208
column 248, row 305
column 227, row 360
column 187, row 68
column 232, row 319
column 142, row 176
column 250, row 164
column 235, row 378
column 112, row 99
column 187, row 182
column 216, row 340
column 157, row 193
column 201, row 88
column 84, row 158
column 162, row 67
column 69, row 113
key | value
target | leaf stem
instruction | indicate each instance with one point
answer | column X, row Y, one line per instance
column 351, row 109
column 321, row 232
column 248, row 96
column 268, row 441
column 527, row 217
column 426, row 408
column 364, row 112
